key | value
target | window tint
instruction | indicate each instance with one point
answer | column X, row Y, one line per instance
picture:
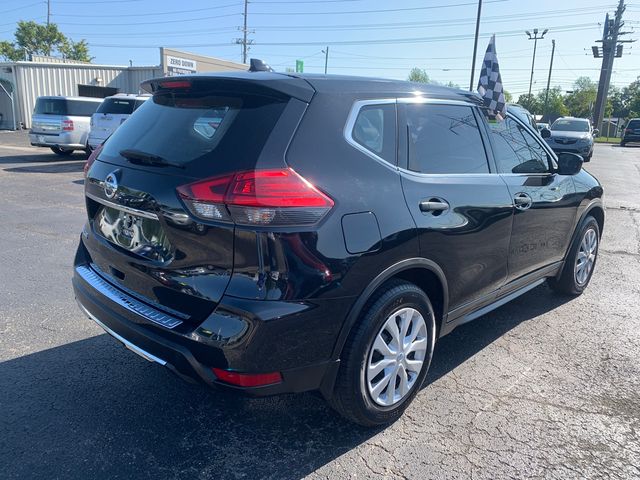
column 444, row 139
column 515, row 149
column 375, row 130
column 634, row 124
column 116, row 106
column 564, row 125
column 63, row 106
column 204, row 128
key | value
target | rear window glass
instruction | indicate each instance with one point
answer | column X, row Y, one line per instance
column 117, row 106
column 634, row 124
column 63, row 106
column 208, row 129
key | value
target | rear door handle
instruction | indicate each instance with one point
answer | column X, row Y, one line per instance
column 434, row 205
column 522, row 201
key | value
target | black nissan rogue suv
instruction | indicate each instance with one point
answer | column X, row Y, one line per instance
column 276, row 233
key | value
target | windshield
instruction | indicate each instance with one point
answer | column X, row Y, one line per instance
column 209, row 128
column 564, row 125
column 116, row 106
column 63, row 106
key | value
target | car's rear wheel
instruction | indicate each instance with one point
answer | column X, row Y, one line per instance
column 581, row 260
column 63, row 152
column 387, row 355
column 622, row 144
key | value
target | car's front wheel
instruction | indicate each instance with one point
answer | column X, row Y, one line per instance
column 387, row 355
column 581, row 260
column 61, row 151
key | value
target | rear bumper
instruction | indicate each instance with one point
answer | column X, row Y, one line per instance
column 631, row 139
column 189, row 354
column 62, row 140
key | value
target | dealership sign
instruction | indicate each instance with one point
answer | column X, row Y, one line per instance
column 180, row 66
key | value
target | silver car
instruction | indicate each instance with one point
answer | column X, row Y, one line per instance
column 569, row 134
column 62, row 123
column 111, row 114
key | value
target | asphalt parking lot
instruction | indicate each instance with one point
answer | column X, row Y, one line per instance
column 544, row 387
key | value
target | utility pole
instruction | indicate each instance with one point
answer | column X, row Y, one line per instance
column 611, row 48
column 546, row 96
column 244, row 41
column 326, row 59
column 535, row 39
column 475, row 46
column 48, row 11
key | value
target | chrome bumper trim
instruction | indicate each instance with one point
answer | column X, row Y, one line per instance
column 124, row 300
column 134, row 348
column 133, row 211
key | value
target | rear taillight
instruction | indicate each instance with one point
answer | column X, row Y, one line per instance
column 91, row 159
column 262, row 197
column 628, row 130
column 67, row 125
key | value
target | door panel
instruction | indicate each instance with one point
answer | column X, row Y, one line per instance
column 470, row 240
column 545, row 204
column 463, row 213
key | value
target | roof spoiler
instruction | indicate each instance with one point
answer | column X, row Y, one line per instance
column 257, row 65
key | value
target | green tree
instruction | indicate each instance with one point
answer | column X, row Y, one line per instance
column 530, row 102
column 631, row 98
column 555, row 106
column 580, row 101
column 31, row 38
column 75, row 50
column 419, row 75
column 508, row 97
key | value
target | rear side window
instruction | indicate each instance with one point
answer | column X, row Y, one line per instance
column 216, row 132
column 375, row 130
column 121, row 106
column 515, row 149
column 63, row 106
column 444, row 139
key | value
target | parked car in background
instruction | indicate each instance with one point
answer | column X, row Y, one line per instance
column 112, row 113
column 62, row 123
column 569, row 134
column 631, row 132
column 542, row 125
column 523, row 114
column 272, row 233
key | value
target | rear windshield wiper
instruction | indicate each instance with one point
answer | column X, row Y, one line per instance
column 143, row 158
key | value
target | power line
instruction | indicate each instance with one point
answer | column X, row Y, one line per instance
column 151, row 23
column 20, row 8
column 148, row 14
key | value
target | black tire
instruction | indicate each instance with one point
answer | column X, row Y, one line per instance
column 622, row 144
column 351, row 397
column 588, row 159
column 61, row 151
column 567, row 282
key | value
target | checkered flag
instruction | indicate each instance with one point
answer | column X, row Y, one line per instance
column 490, row 83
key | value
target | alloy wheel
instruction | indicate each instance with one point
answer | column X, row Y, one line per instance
column 586, row 257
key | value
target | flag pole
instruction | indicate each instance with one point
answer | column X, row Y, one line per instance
column 475, row 45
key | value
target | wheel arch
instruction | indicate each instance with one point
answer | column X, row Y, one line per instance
column 424, row 273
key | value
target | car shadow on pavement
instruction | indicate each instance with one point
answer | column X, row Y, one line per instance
column 50, row 158
column 67, row 166
column 91, row 409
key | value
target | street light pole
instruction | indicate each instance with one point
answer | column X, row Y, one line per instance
column 475, row 45
column 326, row 59
column 546, row 96
column 535, row 39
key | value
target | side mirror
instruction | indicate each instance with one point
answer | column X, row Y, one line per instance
column 569, row 163
column 596, row 132
column 545, row 133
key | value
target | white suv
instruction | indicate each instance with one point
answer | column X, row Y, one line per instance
column 111, row 114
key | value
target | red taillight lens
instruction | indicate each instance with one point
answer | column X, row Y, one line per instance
column 247, row 379
column 260, row 197
column 91, row 159
column 175, row 84
column 67, row 125
column 628, row 130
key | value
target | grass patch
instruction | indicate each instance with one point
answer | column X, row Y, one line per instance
column 607, row 140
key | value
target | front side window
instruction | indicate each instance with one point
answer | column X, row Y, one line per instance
column 375, row 130
column 515, row 149
column 444, row 139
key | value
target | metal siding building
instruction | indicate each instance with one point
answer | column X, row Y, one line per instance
column 31, row 80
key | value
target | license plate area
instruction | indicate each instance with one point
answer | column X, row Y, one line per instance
column 140, row 235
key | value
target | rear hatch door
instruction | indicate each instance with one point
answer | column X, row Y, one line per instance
column 141, row 234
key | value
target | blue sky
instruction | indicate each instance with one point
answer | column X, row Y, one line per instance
column 366, row 37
